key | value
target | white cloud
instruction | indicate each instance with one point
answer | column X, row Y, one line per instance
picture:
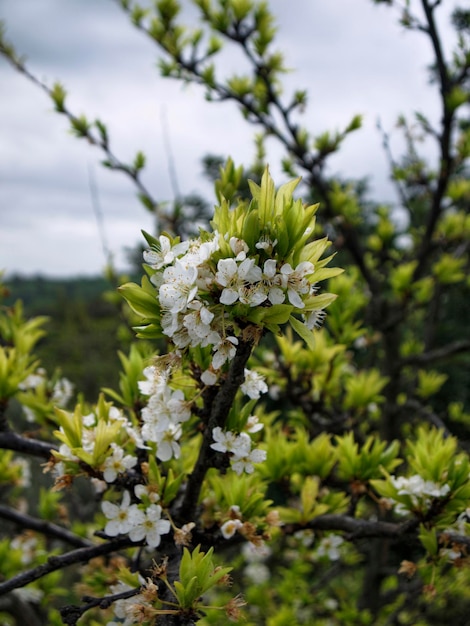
column 350, row 55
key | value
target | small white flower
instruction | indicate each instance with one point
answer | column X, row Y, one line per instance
column 230, row 527
column 155, row 380
column 32, row 381
column 253, row 385
column 117, row 463
column 163, row 253
column 229, row 441
column 167, row 441
column 295, row 282
column 147, row 491
column 329, row 546
column 244, row 462
column 89, row 420
column 198, row 322
column 253, row 425
column 151, row 527
column 62, row 392
column 200, row 251
column 235, row 278
column 239, row 248
column 258, row 573
column 265, row 243
column 208, row 378
column 178, row 288
column 256, row 552
column 314, row 319
column 272, row 283
column 121, row 518
column 163, row 409
column 224, row 351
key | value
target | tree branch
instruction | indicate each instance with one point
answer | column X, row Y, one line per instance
column 12, row 441
column 438, row 354
column 54, row 563
column 219, row 410
column 447, row 121
column 46, row 528
column 71, row 614
column 358, row 528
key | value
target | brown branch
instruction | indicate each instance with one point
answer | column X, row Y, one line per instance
column 438, row 354
column 54, row 563
column 447, row 121
column 219, row 410
column 12, row 441
column 359, row 528
column 46, row 528
column 71, row 613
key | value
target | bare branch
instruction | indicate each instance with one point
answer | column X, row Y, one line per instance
column 54, row 563
column 71, row 614
column 218, row 415
column 47, row 528
column 19, row 443
column 438, row 354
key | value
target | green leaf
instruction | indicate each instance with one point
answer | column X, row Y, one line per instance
column 303, row 332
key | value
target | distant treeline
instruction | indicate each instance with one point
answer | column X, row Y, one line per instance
column 82, row 330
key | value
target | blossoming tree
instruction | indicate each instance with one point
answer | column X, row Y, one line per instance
column 253, row 464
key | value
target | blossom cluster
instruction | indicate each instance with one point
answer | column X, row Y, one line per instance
column 195, row 287
column 59, row 391
column 164, row 413
column 419, row 491
column 115, row 463
column 239, row 446
column 139, row 521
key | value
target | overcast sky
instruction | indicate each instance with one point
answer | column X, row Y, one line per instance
column 351, row 56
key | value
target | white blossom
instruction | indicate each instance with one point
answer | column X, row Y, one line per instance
column 239, row 248
column 244, row 462
column 62, row 392
column 197, row 323
column 164, row 253
column 229, row 441
column 155, row 380
column 200, row 251
column 314, row 319
column 167, row 443
column 121, row 518
column 163, row 409
column 271, row 283
column 295, row 282
column 253, row 425
column 178, row 288
column 230, row 527
column 265, row 243
column 146, row 491
column 224, row 351
column 117, row 463
column 150, row 527
column 254, row 384
column 235, row 277
column 416, row 486
column 329, row 546
column 208, row 378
